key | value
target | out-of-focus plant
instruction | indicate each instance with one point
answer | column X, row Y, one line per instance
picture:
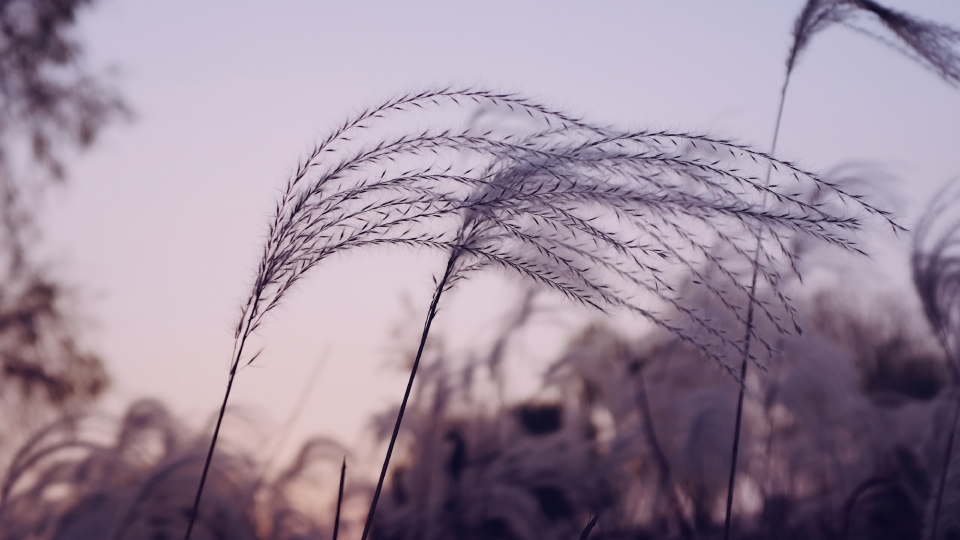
column 632, row 430
column 71, row 481
column 48, row 105
column 636, row 431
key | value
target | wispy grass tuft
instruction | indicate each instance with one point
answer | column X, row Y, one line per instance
column 600, row 215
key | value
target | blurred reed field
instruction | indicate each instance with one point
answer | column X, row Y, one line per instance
column 717, row 393
column 842, row 438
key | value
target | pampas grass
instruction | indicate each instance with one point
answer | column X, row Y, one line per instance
column 598, row 214
column 537, row 469
column 80, row 479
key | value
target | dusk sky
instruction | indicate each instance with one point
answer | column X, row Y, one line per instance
column 160, row 225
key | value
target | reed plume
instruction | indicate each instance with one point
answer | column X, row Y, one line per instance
column 935, row 46
column 598, row 214
column 935, row 263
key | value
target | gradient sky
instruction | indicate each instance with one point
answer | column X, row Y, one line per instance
column 161, row 223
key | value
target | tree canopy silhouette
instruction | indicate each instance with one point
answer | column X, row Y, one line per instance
column 49, row 104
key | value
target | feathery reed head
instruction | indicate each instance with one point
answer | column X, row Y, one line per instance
column 602, row 215
column 131, row 481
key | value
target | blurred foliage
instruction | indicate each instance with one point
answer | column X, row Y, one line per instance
column 72, row 481
column 840, row 438
column 49, row 106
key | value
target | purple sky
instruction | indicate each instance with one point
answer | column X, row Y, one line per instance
column 160, row 227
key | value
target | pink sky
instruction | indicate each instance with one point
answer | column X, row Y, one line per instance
column 161, row 224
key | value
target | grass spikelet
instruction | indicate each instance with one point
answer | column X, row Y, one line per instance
column 933, row 45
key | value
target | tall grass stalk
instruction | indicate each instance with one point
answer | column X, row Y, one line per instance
column 667, row 484
column 598, row 214
column 933, row 45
